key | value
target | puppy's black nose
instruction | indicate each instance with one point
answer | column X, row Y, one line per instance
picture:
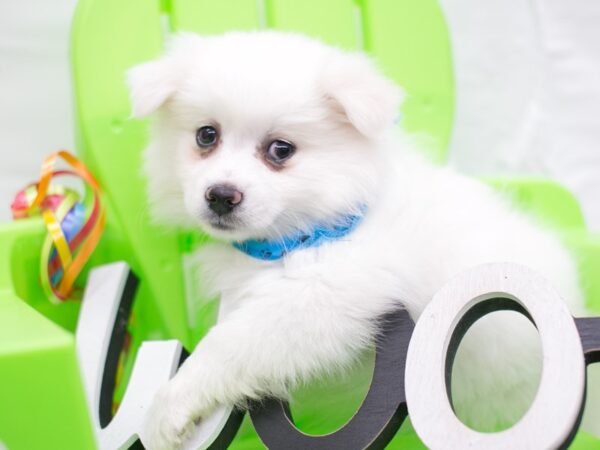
column 222, row 198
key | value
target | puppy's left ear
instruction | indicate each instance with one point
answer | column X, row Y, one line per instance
column 151, row 84
column 368, row 100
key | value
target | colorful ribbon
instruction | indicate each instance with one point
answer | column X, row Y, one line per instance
column 72, row 237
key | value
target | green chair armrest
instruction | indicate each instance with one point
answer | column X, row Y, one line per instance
column 549, row 201
column 38, row 364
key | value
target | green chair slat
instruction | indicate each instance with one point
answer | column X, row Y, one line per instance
column 109, row 37
column 336, row 22
column 410, row 40
column 211, row 17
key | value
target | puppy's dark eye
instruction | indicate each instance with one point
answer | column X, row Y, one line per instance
column 279, row 151
column 207, row 136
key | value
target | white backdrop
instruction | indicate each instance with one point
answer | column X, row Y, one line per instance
column 528, row 85
column 528, row 90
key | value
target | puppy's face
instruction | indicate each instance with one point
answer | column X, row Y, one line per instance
column 257, row 134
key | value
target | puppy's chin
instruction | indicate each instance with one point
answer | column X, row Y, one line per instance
column 239, row 225
column 226, row 230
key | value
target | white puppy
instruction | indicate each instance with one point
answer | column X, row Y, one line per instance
column 266, row 138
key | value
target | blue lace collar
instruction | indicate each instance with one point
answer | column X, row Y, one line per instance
column 320, row 233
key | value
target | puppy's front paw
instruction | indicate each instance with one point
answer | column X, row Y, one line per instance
column 170, row 420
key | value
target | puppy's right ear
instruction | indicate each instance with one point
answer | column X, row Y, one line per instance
column 368, row 100
column 151, row 84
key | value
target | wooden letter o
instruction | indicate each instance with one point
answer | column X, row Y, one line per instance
column 554, row 415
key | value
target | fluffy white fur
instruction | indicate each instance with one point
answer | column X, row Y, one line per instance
column 315, row 310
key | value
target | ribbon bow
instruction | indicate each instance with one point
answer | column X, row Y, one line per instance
column 74, row 226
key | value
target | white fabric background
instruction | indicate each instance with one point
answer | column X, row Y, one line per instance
column 528, row 90
column 36, row 112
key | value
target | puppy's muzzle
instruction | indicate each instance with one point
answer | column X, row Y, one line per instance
column 223, row 198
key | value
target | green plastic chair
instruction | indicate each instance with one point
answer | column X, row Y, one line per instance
column 42, row 399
